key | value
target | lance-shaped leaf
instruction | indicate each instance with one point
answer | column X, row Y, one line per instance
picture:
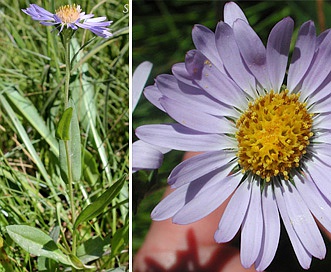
column 98, row 206
column 63, row 127
column 36, row 242
column 74, row 148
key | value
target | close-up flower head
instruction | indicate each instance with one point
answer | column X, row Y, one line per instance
column 262, row 128
column 70, row 16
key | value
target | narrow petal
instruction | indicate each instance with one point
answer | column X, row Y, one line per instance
column 210, row 79
column 320, row 174
column 319, row 70
column 180, row 72
column 304, row 257
column 153, row 95
column 97, row 30
column 271, row 229
column 176, row 136
column 207, row 200
column 197, row 94
column 204, row 41
column 38, row 13
column 303, row 222
column 230, row 55
column 145, row 156
column 302, row 54
column 95, row 20
column 252, row 51
column 170, row 205
column 232, row 12
column 278, row 47
column 197, row 166
column 139, row 78
column 321, row 37
column 234, row 213
column 323, row 122
column 252, row 229
column 322, row 106
column 192, row 96
column 315, row 201
column 195, row 119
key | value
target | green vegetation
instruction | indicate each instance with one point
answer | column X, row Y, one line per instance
column 36, row 217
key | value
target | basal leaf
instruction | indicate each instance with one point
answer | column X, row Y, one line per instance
column 36, row 242
column 93, row 248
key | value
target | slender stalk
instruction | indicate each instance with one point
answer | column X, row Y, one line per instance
column 66, row 143
column 67, row 76
column 71, row 197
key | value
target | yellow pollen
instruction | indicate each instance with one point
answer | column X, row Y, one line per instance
column 273, row 134
column 69, row 13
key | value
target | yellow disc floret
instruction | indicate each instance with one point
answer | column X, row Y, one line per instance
column 273, row 134
column 69, row 13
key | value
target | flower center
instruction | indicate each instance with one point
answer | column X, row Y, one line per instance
column 69, row 13
column 273, row 134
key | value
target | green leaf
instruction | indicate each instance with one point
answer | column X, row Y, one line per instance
column 29, row 146
column 47, row 264
column 74, row 149
column 97, row 207
column 36, row 242
column 26, row 108
column 119, row 240
column 63, row 128
column 77, row 263
column 93, row 249
column 90, row 168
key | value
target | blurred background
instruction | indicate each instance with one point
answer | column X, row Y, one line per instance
column 162, row 35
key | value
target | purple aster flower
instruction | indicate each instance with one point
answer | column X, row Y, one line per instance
column 266, row 142
column 71, row 17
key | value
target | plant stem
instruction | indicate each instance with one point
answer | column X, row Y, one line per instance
column 67, row 76
column 71, row 197
column 66, row 143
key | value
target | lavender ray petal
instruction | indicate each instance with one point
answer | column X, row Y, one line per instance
column 315, row 201
column 145, row 156
column 302, row 54
column 271, row 229
column 252, row 228
column 234, row 213
column 210, row 79
column 232, row 12
column 153, row 95
column 197, row 166
column 318, row 72
column 278, row 47
column 192, row 96
column 204, row 41
column 320, row 174
column 139, row 78
column 207, row 199
column 176, row 136
column 252, row 51
column 38, row 13
column 194, row 118
column 230, row 55
column 171, row 204
column 304, row 257
column 322, row 106
column 303, row 222
column 180, row 73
